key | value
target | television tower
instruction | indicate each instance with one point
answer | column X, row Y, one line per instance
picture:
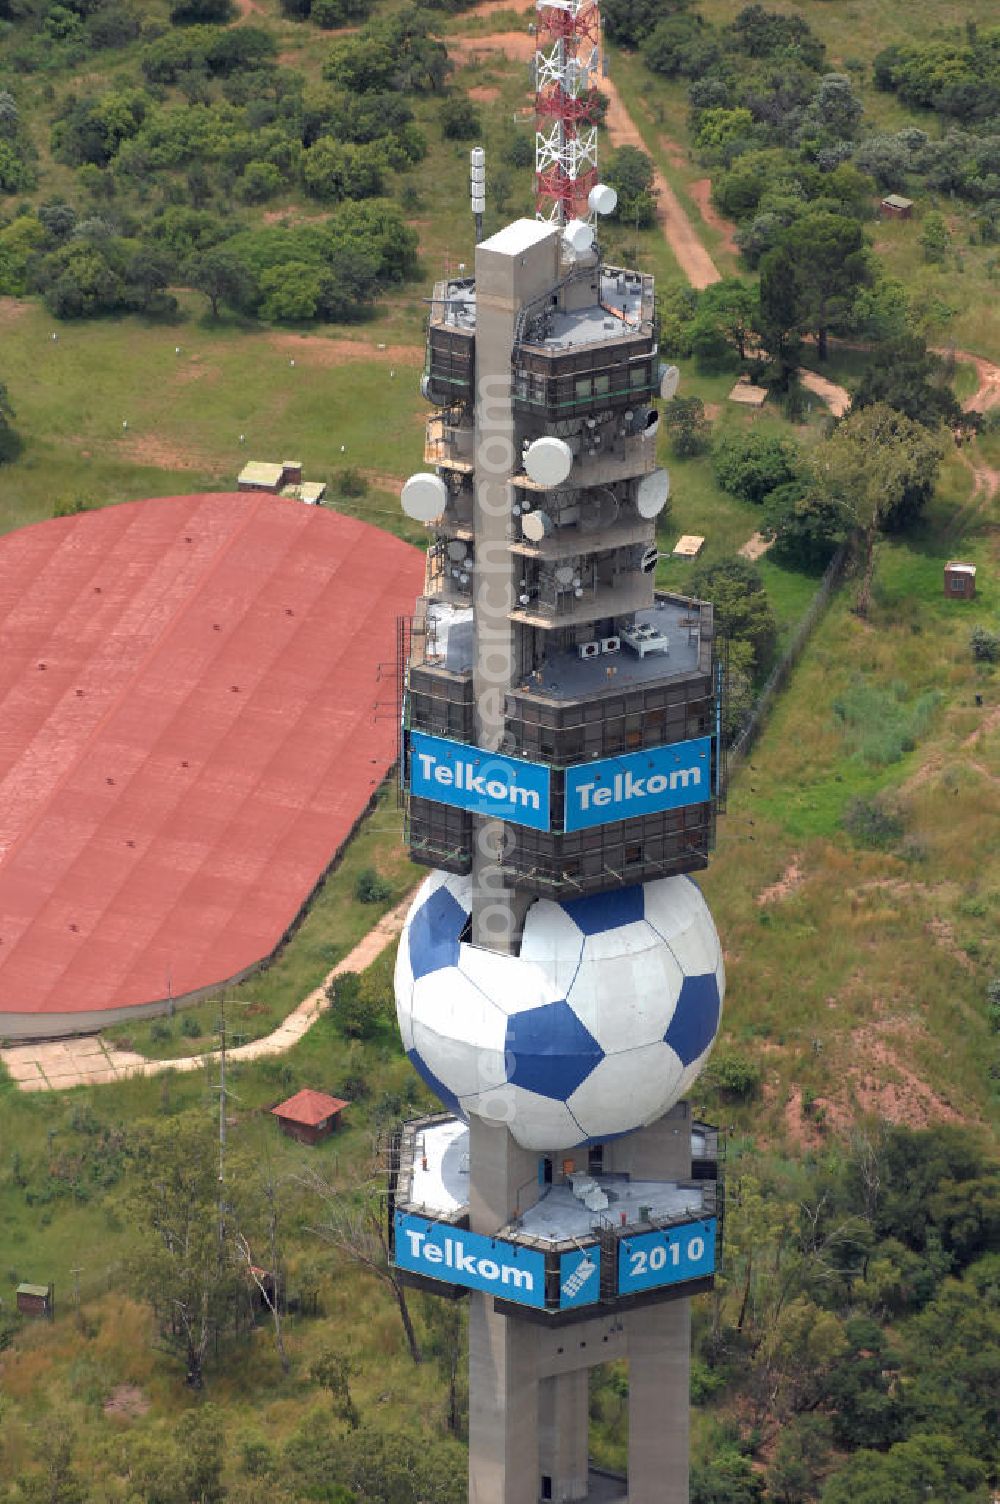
column 559, row 981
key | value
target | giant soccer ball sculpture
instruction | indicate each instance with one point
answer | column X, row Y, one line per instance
column 599, row 1025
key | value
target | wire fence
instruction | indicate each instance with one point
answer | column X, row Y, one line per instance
column 740, row 749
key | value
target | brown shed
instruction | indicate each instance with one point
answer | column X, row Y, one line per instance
column 895, row 206
column 35, row 1300
column 959, row 580
column 309, row 1115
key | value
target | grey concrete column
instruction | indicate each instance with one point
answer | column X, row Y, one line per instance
column 564, row 1432
column 512, row 267
column 659, row 1357
column 503, row 1407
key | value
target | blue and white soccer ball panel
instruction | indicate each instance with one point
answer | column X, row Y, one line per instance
column 510, row 982
column 629, row 999
column 535, row 1122
column 627, row 1090
column 554, row 941
column 677, row 911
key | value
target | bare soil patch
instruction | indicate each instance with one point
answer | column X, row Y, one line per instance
column 701, row 192
column 128, row 1400
column 318, row 350
column 800, row 1129
column 756, row 547
column 163, row 454
column 12, row 309
column 787, row 883
column 483, row 93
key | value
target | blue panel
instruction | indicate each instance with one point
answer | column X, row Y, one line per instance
column 433, row 933
column 606, row 911
column 468, row 777
column 440, row 1251
column 580, row 1278
column 667, row 1257
column 638, row 783
column 695, row 1019
column 437, row 1087
column 549, row 1051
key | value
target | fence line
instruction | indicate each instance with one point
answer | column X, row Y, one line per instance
column 744, row 743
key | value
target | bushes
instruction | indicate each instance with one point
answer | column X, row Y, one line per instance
column 459, row 119
column 689, row 429
column 733, row 1076
column 876, row 822
column 984, row 644
column 370, row 887
column 751, row 464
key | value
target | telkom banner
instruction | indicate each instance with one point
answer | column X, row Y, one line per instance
column 487, row 783
column 668, row 1256
column 440, row 1251
column 639, row 783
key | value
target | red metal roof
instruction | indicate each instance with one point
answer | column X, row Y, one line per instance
column 188, row 733
column 309, row 1107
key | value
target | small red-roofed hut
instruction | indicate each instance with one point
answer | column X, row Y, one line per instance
column 309, row 1116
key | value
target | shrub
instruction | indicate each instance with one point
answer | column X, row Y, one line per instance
column 370, row 887
column 985, row 645
column 733, row 1076
column 459, row 119
column 993, row 1004
column 689, row 429
column 350, row 482
column 160, row 1031
column 190, row 1027
column 753, row 464
column 876, row 822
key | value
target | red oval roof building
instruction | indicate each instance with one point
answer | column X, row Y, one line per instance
column 191, row 724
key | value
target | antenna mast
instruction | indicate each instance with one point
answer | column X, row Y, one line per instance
column 566, row 71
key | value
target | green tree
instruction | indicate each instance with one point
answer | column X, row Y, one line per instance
column 460, row 120
column 184, row 1269
column 689, row 429
column 334, row 1371
column 742, row 609
column 923, row 1469
column 935, row 237
column 292, row 292
column 907, row 376
column 880, row 468
column 359, row 1004
column 222, row 277
column 725, row 317
column 805, row 522
column 823, row 256
column 196, row 12
column 631, row 173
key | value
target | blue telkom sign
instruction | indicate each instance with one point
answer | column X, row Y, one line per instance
column 639, row 783
column 667, row 1256
column 487, row 783
column 440, row 1251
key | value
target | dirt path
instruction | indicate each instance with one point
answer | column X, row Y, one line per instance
column 701, row 192
column 837, row 398
column 987, row 394
column 90, row 1060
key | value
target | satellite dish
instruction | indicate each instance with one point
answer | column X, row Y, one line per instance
column 649, row 558
column 424, row 496
column 536, row 526
column 602, row 199
column 670, row 379
column 564, row 574
column 548, row 461
column 579, row 236
column 654, row 489
column 456, row 550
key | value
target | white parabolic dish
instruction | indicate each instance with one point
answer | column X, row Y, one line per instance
column 424, row 496
column 602, row 199
column 548, row 461
column 669, row 382
column 536, row 526
column 654, row 489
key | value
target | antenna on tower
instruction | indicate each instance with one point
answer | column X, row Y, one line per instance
column 477, row 187
column 566, row 69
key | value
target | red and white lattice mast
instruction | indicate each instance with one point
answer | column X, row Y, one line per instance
column 566, row 73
